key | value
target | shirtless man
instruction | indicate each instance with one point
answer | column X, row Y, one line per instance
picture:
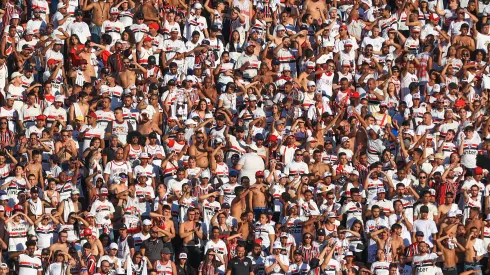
column 61, row 244
column 127, row 77
column 165, row 223
column 188, row 230
column 238, row 204
column 245, row 226
column 100, row 13
column 82, row 74
column 315, row 8
column 86, row 54
column 199, row 151
column 146, row 124
column 35, row 167
column 395, row 242
column 97, row 248
column 471, row 256
column 449, row 224
column 66, row 147
column 474, row 220
column 256, row 196
column 381, row 237
column 448, row 206
column 464, row 40
column 150, row 12
column 80, row 108
column 318, row 167
column 448, row 246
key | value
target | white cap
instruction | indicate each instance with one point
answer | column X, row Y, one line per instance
column 104, row 89
column 280, row 28
column 311, row 83
column 144, row 155
column 252, row 98
column 344, row 139
column 197, row 6
column 120, row 271
column 354, row 172
column 327, row 174
column 69, row 127
column 410, row 132
column 15, row 74
column 277, row 245
column 332, row 215
column 310, row 64
column 190, row 121
column 436, row 88
column 15, row 16
column 59, row 98
column 2, row 208
column 452, row 214
column 146, row 222
column 253, row 147
column 183, row 256
column 205, row 174
column 61, row 5
column 381, row 190
column 29, row 32
column 190, row 78
column 113, row 246
column 4, row 198
column 114, row 10
column 487, row 218
column 310, row 139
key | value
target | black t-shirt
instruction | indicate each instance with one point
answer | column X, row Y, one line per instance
column 240, row 267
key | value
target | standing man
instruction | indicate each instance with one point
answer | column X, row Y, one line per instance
column 240, row 265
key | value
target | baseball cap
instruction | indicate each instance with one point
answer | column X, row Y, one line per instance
column 4, row 198
column 478, row 171
column 434, row 17
column 277, row 245
column 419, row 233
column 183, row 256
column 311, row 83
column 166, row 250
column 225, row 205
column 113, row 246
column 88, row 232
column 451, row 214
column 104, row 191
column 144, row 155
column 298, row 252
column 114, row 10
column 416, row 29
column 146, row 222
column 75, row 192
column 321, row 232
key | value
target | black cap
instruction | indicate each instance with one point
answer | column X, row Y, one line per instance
column 140, row 16
column 214, row 28
column 239, row 129
column 276, row 62
column 78, row 12
column 29, row 68
column 269, row 211
column 413, row 86
column 34, row 190
column 171, row 82
column 123, row 226
column 453, row 85
column 154, row 86
column 419, row 233
column 205, row 42
column 105, row 71
column 220, row 117
column 321, row 232
column 152, row 135
column 152, row 60
column 424, row 209
column 298, row 252
column 225, row 205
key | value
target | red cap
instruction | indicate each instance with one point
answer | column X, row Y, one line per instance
column 87, row 232
column 259, row 173
column 343, row 26
column 478, row 171
column 355, row 95
column 258, row 241
column 273, row 138
column 434, row 17
column 41, row 117
column 92, row 114
column 459, row 103
column 18, row 207
column 154, row 26
column 53, row 61
column 148, row 39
